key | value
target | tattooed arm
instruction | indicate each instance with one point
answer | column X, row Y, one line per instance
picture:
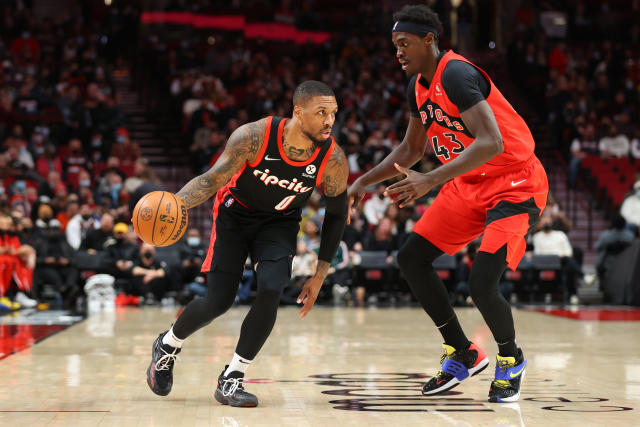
column 334, row 181
column 243, row 146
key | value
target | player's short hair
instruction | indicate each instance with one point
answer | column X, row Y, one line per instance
column 309, row 89
column 419, row 14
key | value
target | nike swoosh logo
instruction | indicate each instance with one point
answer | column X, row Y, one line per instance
column 512, row 375
column 513, row 184
column 270, row 158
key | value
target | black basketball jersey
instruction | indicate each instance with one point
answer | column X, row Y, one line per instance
column 274, row 183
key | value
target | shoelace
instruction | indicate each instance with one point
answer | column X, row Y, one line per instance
column 234, row 384
column 166, row 361
column 444, row 356
column 502, row 383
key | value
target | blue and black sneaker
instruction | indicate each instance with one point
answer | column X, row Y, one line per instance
column 508, row 379
column 457, row 365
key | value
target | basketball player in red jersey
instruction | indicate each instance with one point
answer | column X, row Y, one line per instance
column 494, row 186
column 264, row 177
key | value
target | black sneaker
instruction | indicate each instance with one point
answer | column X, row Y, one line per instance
column 160, row 371
column 230, row 391
column 508, row 379
column 456, row 366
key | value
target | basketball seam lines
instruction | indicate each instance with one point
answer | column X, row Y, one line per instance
column 137, row 225
column 176, row 222
column 153, row 230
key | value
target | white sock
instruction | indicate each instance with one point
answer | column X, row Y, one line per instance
column 238, row 363
column 170, row 339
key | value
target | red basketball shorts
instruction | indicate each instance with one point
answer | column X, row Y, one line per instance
column 502, row 207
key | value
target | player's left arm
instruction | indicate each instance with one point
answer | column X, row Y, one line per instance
column 334, row 182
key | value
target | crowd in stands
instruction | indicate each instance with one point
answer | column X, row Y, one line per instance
column 71, row 173
column 589, row 88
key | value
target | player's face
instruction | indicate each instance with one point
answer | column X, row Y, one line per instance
column 317, row 118
column 412, row 51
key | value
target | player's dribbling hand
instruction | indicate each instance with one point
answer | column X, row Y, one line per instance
column 355, row 193
column 413, row 186
column 309, row 295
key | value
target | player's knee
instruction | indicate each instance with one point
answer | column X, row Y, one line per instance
column 272, row 278
column 417, row 252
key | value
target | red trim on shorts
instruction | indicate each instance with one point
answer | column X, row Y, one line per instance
column 220, row 195
column 324, row 162
column 265, row 143
column 284, row 156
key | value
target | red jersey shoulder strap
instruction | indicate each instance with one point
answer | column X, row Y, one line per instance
column 327, row 156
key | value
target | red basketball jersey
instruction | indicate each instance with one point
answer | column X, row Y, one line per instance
column 450, row 137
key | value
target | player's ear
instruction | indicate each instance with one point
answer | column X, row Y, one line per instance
column 297, row 112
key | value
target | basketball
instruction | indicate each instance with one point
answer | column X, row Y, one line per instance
column 160, row 218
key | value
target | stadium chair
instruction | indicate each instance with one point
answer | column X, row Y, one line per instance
column 445, row 265
column 548, row 269
column 373, row 270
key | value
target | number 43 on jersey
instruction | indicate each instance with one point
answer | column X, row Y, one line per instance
column 442, row 151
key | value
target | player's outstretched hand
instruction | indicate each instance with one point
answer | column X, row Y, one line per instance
column 309, row 295
column 355, row 193
column 413, row 186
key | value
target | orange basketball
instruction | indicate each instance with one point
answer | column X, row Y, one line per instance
column 160, row 218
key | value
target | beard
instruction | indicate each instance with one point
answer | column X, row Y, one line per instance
column 318, row 142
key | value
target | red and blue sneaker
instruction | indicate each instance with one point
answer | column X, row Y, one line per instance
column 508, row 379
column 457, row 365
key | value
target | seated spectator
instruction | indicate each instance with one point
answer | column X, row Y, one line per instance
column 311, row 235
column 79, row 225
column 611, row 242
column 556, row 242
column 302, row 268
column 145, row 276
column 375, row 207
column 635, row 146
column 120, row 251
column 75, row 162
column 99, row 149
column 630, row 209
column 124, row 149
column 382, row 239
column 49, row 161
column 54, row 264
column 580, row 148
column 98, row 239
column 52, row 186
column 192, row 253
column 70, row 210
column 614, row 144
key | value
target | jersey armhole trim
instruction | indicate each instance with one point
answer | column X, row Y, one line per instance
column 324, row 162
column 265, row 142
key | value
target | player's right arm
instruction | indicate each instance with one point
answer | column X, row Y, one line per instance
column 243, row 146
column 407, row 154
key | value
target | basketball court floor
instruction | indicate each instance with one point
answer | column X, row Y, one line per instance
column 338, row 366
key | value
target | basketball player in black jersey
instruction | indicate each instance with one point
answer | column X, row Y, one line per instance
column 262, row 180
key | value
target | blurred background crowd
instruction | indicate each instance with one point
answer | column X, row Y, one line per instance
column 104, row 101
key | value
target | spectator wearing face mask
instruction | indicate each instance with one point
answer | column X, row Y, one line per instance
column 555, row 242
column 70, row 210
column 120, row 252
column 79, row 225
column 145, row 276
column 376, row 206
column 100, row 238
column 124, row 149
column 54, row 264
